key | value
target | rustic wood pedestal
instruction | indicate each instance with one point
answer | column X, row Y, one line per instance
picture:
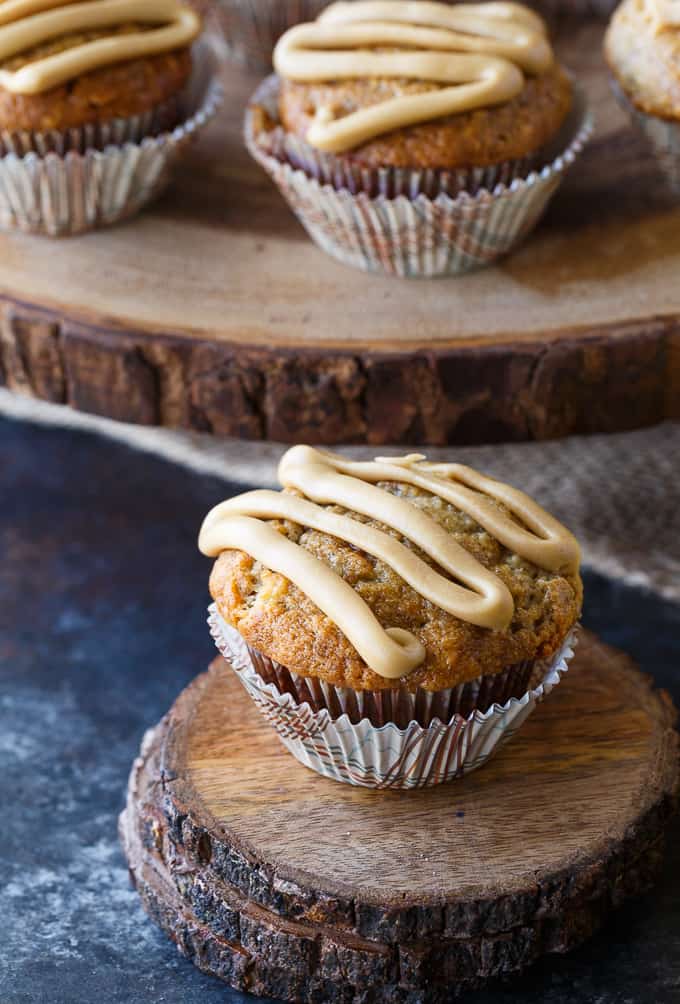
column 286, row 884
column 214, row 311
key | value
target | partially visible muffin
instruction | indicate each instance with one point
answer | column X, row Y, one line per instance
column 643, row 53
column 82, row 86
column 642, row 48
column 118, row 91
column 65, row 71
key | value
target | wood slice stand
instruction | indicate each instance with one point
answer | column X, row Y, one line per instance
column 213, row 311
column 289, row 885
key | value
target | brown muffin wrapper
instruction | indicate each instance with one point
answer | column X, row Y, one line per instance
column 663, row 135
column 84, row 187
column 398, row 705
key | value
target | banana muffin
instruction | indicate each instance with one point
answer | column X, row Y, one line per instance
column 65, row 66
column 395, row 621
column 98, row 101
column 508, row 96
column 380, row 103
column 491, row 580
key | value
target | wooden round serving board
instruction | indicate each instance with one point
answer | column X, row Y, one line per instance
column 286, row 884
column 214, row 311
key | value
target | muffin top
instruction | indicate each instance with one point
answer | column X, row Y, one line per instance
column 392, row 573
column 642, row 47
column 403, row 84
column 45, row 43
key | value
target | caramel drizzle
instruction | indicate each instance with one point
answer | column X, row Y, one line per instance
column 327, row 479
column 25, row 24
column 480, row 49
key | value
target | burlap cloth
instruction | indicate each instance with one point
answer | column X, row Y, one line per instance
column 619, row 494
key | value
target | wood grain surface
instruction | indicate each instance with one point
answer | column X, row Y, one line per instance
column 288, row 884
column 214, row 311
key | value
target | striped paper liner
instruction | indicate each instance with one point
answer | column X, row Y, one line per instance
column 83, row 187
column 396, row 705
column 387, row 756
column 663, row 135
column 396, row 227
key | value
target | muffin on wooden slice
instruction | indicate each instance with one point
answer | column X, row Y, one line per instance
column 397, row 595
column 390, row 98
column 642, row 48
column 90, row 81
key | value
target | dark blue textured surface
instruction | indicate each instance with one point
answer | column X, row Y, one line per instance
column 102, row 622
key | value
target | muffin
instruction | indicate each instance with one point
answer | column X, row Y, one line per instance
column 251, row 28
column 433, row 119
column 642, row 48
column 63, row 67
column 90, row 78
column 120, row 91
column 421, row 599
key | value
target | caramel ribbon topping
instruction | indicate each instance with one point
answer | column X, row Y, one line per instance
column 481, row 50
column 327, row 479
column 25, row 24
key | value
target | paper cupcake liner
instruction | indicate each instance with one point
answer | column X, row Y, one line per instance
column 64, row 194
column 387, row 756
column 663, row 136
column 415, row 235
column 401, row 707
